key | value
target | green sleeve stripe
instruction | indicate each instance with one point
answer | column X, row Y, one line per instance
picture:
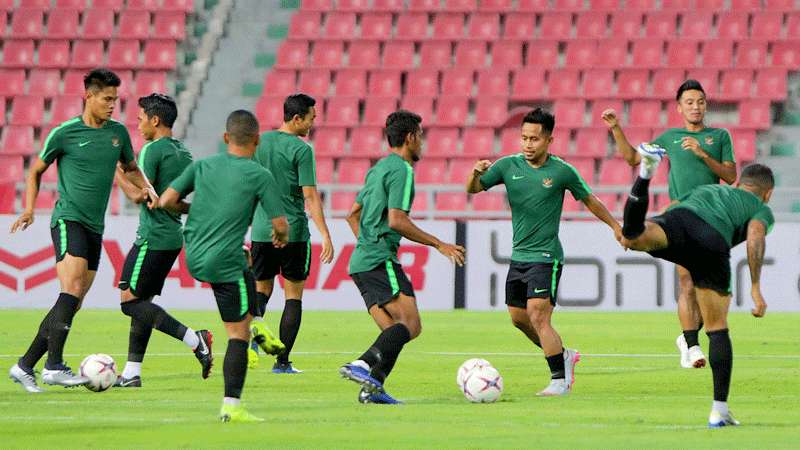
column 407, row 188
column 243, row 300
column 137, row 267
column 53, row 133
column 575, row 171
column 142, row 155
column 554, row 280
column 308, row 257
column 62, row 234
column 392, row 278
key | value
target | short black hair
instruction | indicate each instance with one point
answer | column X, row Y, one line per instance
column 689, row 85
column 100, row 79
column 160, row 105
column 297, row 105
column 543, row 117
column 242, row 127
column 400, row 124
column 758, row 175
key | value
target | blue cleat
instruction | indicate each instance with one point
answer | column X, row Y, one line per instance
column 717, row 420
column 281, row 367
column 381, row 398
column 361, row 376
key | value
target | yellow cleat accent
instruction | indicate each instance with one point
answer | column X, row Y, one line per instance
column 237, row 413
column 268, row 342
column 252, row 359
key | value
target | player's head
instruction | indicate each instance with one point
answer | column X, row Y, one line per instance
column 101, row 93
column 537, row 133
column 404, row 130
column 299, row 113
column 156, row 111
column 691, row 102
column 241, row 131
column 758, row 179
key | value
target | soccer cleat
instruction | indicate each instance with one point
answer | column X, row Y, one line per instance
column 237, row 413
column 556, row 388
column 360, row 375
column 696, row 357
column 133, row 382
column 680, row 342
column 268, row 342
column 203, row 351
column 651, row 157
column 717, row 420
column 252, row 358
column 571, row 358
column 281, row 367
column 380, row 398
column 27, row 379
column 62, row 375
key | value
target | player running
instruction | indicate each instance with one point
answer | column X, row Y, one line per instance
column 535, row 183
column 698, row 232
column 291, row 161
column 87, row 149
column 227, row 189
column 379, row 219
column 698, row 156
column 158, row 243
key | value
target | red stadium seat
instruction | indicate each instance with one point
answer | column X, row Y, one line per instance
column 666, row 83
column 528, row 84
column 697, row 25
column 459, row 170
column 569, row 113
column 457, row 81
column 35, row 4
column 123, row 54
column 79, row 5
column 677, row 5
column 786, row 54
column 563, row 83
column 134, row 24
column 568, row 5
column 674, row 118
column 343, row 201
column 292, row 55
column 561, row 141
column 755, row 114
column 427, row 171
column 27, row 110
column 160, row 55
column 385, row 83
column 635, row 136
column 55, row 54
column 592, row 24
column 376, row 109
column 682, row 53
column 626, row 24
column 280, row 82
column 451, row 201
column 520, row 26
column 12, row 169
column 73, row 82
column 506, row 54
column 422, row 82
column 732, row 25
column 315, row 82
column 736, row 84
column 581, row 54
column 793, row 25
column 148, row 82
column 351, row 82
column 367, row 142
column 616, row 172
column 66, row 107
column 12, row 82
column 478, row 143
column 660, row 24
column 316, row 5
column 489, row 201
column 615, row 53
column 493, row 81
column 388, row 5
column 452, row 110
column 342, row 111
column 115, row 5
column 585, row 167
column 305, row 25
column 170, row 24
column 645, row 113
column 471, row 54
column 412, row 27
column 632, row 84
column 609, row 199
column 604, row 5
column 424, row 5
column 327, row 54
column 329, row 141
column 533, row 5
column 442, row 142
column 448, row 26
column 324, row 170
column 44, row 82
column 744, row 144
column 660, row 179
column 2, row 111
column 422, row 105
column 62, row 24
column 648, row 53
column 556, row 25
column 484, row 27
column 591, row 142
column 767, row 25
column 771, row 83
column 353, row 5
column 340, row 25
column 779, row 5
column 437, row 54
column 27, row 23
column 598, row 106
column 17, row 140
column 751, row 54
column 98, row 24
column 398, row 55
column 353, row 171
column 185, row 6
column 510, row 141
column 376, row 26
column 130, row 110
column 146, row 5
column 491, row 111
column 496, row 5
column 708, row 78
column 460, row 5
column 718, row 5
column 46, row 200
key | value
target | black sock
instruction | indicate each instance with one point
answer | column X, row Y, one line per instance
column 556, row 363
column 138, row 338
column 290, row 326
column 691, row 337
column 154, row 316
column 61, row 316
column 720, row 355
column 261, row 302
column 38, row 346
column 234, row 370
column 383, row 354
column 636, row 209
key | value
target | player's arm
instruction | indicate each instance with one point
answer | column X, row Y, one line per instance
column 474, row 179
column 756, row 246
column 171, row 201
column 32, row 183
column 624, row 147
column 401, row 223
column 354, row 218
column 133, row 193
column 135, row 175
column 600, row 211
column 314, row 205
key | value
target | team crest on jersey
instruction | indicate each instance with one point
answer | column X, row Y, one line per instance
column 709, row 140
column 115, row 141
column 547, row 182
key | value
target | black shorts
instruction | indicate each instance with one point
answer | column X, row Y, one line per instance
column 697, row 246
column 77, row 240
column 383, row 284
column 291, row 261
column 235, row 300
column 145, row 270
column 532, row 280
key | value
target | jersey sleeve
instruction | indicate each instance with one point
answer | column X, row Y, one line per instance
column 184, row 184
column 53, row 147
column 399, row 187
column 126, row 154
column 306, row 167
column 576, row 184
column 494, row 175
column 727, row 147
column 149, row 159
column 266, row 198
column 764, row 215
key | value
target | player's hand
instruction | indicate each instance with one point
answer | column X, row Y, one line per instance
column 691, row 144
column 248, row 255
column 609, row 116
column 455, row 253
column 482, row 166
column 618, row 233
column 24, row 221
column 152, row 197
column 327, row 251
column 279, row 241
column 760, row 305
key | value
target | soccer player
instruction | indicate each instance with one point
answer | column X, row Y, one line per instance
column 535, row 183
column 379, row 219
column 698, row 155
column 158, row 243
column 227, row 189
column 697, row 232
column 87, row 149
column 291, row 161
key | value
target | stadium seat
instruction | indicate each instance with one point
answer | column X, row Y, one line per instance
column 489, row 201
column 422, row 105
column 674, row 118
column 591, row 142
column 413, row 27
column 459, row 170
column 584, row 166
column 438, row 54
column 732, row 25
column 79, row 5
column 351, row 82
column 46, row 200
column 666, row 83
column 12, row 169
column 292, row 55
column 604, row 5
column 563, row 83
column 66, row 107
column 126, row 87
column 751, row 54
column 342, row 111
column 427, row 171
column 528, row 84
column 27, row 110
column 592, row 25
column 353, row 5
column 483, row 26
column 148, row 81
column 460, row 5
column 677, row 5
column 352, row 171
column 185, row 6
column 170, row 24
column 457, row 81
column 398, row 55
column 451, row 201
column 568, row 5
column 305, row 25
column 316, row 5
column 448, row 26
column 708, row 78
column 130, row 112
column 509, row 141
column 533, row 5
column 697, row 25
column 506, row 54
column 556, row 25
column 367, row 142
column 755, row 114
column 615, row 54
column 442, row 142
column 635, row 136
column 2, row 111
column 569, row 112
column 771, row 83
column 627, row 24
column 660, row 24
column 598, row 83
column 160, row 54
column 376, row 26
column 660, row 179
column 717, row 5
column 648, row 53
column 609, row 199
column 493, row 82
column 328, row 141
column 388, row 5
column 786, row 54
column 793, row 25
column 327, row 54
column 17, row 140
column 632, row 84
column 44, row 82
column 581, row 53
column 27, row 23
column 736, row 84
column 616, row 172
column 471, row 54
column 340, row 25
column 123, row 54
column 62, row 24
column 146, row 5
column 780, row 5
column 744, row 144
column 280, row 82
column 767, row 25
column 315, row 82
column 12, row 82
column 598, row 106
column 342, row 201
column 385, row 83
column 495, row 5
column 17, row 53
column 98, row 24
column 452, row 110
column 424, row 5
column 324, row 170
column 54, row 54
column 478, row 143
column 682, row 53
column 519, row 27
column 376, row 109
column 114, row 5
column 134, row 24
column 422, row 82
column 645, row 113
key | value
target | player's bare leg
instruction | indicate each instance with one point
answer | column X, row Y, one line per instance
column 691, row 322
column 521, row 320
column 560, row 361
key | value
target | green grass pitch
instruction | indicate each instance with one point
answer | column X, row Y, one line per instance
column 629, row 391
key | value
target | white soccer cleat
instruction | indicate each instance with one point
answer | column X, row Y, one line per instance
column 556, row 388
column 696, row 357
column 571, row 358
column 651, row 157
column 718, row 420
column 25, row 379
column 63, row 376
column 680, row 342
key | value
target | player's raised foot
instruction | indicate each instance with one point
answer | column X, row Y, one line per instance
column 252, row 358
column 651, row 157
column 61, row 375
column 132, row 382
column 237, row 413
column 285, row 367
column 203, row 351
column 556, row 388
column 380, row 398
column 680, row 342
column 696, row 357
column 26, row 378
column 268, row 342
column 571, row 358
column 356, row 373
column 719, row 420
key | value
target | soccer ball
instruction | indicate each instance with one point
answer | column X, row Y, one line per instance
column 483, row 384
column 466, row 367
column 101, row 370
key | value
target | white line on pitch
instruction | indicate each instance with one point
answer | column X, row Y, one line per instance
column 475, row 353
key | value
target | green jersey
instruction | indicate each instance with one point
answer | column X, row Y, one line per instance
column 291, row 161
column 87, row 161
column 389, row 185
column 536, row 196
column 162, row 161
column 686, row 170
column 227, row 189
column 728, row 209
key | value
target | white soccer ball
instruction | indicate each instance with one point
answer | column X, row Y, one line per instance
column 483, row 384
column 101, row 370
column 467, row 366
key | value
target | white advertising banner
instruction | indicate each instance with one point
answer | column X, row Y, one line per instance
column 600, row 275
column 28, row 278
